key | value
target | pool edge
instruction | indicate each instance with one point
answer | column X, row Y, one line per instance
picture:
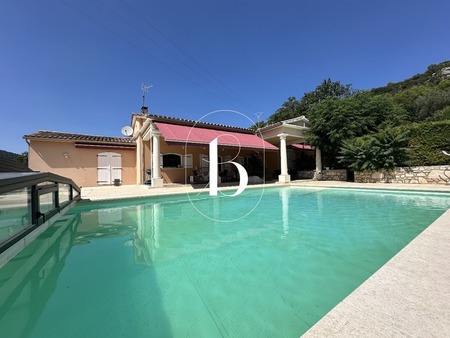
column 408, row 296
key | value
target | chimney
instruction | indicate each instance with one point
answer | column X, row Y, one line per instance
column 144, row 110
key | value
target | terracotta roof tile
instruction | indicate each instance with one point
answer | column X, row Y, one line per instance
column 54, row 135
column 186, row 122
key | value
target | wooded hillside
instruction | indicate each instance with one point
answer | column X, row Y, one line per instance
column 338, row 113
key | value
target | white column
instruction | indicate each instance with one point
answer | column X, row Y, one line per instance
column 284, row 177
column 139, row 150
column 139, row 162
column 318, row 173
column 157, row 181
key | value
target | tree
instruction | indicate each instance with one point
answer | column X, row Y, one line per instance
column 23, row 158
column 408, row 100
column 294, row 108
column 380, row 111
column 326, row 89
column 289, row 109
column 258, row 125
column 430, row 105
column 333, row 121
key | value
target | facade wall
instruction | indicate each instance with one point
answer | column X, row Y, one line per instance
column 80, row 164
column 414, row 175
column 182, row 175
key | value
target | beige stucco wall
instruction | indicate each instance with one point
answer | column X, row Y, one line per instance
column 273, row 163
column 81, row 164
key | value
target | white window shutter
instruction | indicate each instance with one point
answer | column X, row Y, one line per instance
column 187, row 161
column 103, row 172
column 116, row 167
column 109, row 167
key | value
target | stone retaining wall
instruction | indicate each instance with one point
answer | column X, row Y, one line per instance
column 327, row 175
column 418, row 175
column 334, row 175
column 306, row 174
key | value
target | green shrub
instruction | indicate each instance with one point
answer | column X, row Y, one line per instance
column 427, row 141
column 381, row 151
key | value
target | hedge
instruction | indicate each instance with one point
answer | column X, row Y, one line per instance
column 426, row 143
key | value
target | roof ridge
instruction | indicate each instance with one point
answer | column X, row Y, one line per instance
column 57, row 135
column 279, row 123
column 80, row 134
column 197, row 122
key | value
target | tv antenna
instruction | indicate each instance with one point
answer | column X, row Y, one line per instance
column 145, row 89
column 258, row 115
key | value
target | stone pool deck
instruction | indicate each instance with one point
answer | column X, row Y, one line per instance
column 408, row 297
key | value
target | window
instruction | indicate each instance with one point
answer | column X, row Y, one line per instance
column 171, row 161
column 177, row 161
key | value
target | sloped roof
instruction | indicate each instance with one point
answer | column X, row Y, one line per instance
column 179, row 134
column 198, row 124
column 285, row 122
column 59, row 136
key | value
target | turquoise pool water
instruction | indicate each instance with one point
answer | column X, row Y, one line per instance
column 155, row 267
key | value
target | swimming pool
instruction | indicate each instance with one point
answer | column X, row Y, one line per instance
column 155, row 267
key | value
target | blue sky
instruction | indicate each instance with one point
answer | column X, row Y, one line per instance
column 78, row 65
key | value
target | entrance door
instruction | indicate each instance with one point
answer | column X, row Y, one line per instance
column 109, row 168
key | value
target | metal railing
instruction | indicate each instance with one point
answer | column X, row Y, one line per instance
column 27, row 200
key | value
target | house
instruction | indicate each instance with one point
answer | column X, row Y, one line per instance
column 88, row 160
column 163, row 149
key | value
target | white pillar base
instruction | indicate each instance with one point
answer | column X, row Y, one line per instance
column 284, row 178
column 157, row 182
column 317, row 175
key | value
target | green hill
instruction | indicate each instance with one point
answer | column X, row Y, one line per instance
column 431, row 77
column 12, row 162
column 340, row 115
column 8, row 155
column 423, row 97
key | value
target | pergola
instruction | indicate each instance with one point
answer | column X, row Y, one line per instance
column 284, row 133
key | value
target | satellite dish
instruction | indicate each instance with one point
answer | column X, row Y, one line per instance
column 127, row 131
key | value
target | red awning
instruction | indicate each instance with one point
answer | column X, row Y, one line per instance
column 303, row 146
column 173, row 133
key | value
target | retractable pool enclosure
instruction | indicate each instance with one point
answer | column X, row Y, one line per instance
column 28, row 202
